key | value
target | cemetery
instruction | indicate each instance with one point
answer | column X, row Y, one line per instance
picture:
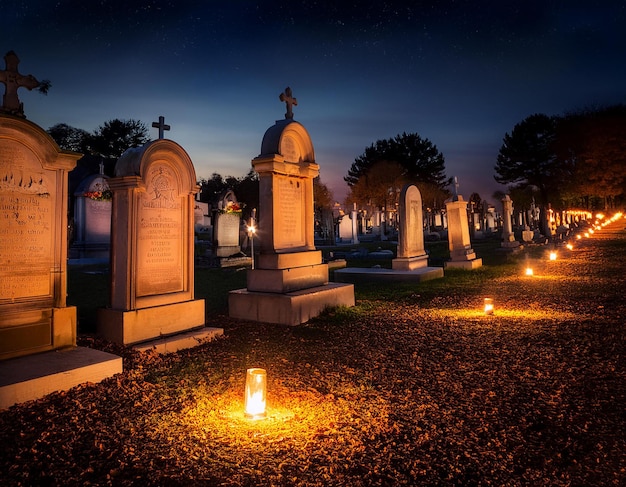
column 416, row 357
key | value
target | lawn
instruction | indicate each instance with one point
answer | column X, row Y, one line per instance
column 415, row 385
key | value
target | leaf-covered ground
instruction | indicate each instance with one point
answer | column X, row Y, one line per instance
column 411, row 387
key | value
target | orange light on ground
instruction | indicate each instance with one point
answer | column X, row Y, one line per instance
column 552, row 255
column 529, row 271
column 578, row 237
column 256, row 393
column 570, row 246
column 488, row 306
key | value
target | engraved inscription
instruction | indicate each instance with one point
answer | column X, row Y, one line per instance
column 26, row 224
column 228, row 230
column 289, row 220
column 160, row 237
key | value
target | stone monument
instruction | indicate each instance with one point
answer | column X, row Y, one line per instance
column 289, row 284
column 411, row 262
column 461, row 253
column 508, row 238
column 227, row 225
column 152, row 254
column 38, row 353
column 92, row 218
column 411, row 254
column 34, row 316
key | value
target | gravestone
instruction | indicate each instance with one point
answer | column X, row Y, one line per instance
column 411, row 253
column 34, row 316
column 461, row 253
column 508, row 238
column 411, row 262
column 92, row 218
column 38, row 353
column 289, row 284
column 227, row 226
column 152, row 254
column 345, row 229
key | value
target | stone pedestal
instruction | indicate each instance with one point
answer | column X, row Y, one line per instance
column 462, row 255
column 289, row 284
column 152, row 256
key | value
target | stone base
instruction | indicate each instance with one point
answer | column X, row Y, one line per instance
column 227, row 251
column 130, row 327
column 463, row 264
column 287, row 280
column 409, row 263
column 377, row 274
column 513, row 244
column 292, row 308
column 36, row 331
column 235, row 261
column 181, row 341
column 27, row 378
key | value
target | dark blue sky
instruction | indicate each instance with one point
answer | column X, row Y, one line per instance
column 459, row 73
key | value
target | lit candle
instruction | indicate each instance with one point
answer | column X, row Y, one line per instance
column 488, row 306
column 256, row 393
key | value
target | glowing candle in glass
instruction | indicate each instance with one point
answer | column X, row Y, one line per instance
column 256, row 393
column 488, row 306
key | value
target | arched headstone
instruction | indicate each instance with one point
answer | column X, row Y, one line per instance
column 152, row 254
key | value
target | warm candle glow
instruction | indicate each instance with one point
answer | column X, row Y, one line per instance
column 488, row 306
column 552, row 255
column 256, row 393
column 529, row 271
column 569, row 246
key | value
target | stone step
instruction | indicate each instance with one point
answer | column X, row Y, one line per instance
column 32, row 377
column 181, row 341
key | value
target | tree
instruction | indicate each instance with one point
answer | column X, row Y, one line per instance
column 374, row 185
column 111, row 139
column 68, row 137
column 419, row 159
column 246, row 189
column 527, row 160
column 592, row 143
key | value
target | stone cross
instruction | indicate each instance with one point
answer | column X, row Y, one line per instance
column 13, row 80
column 101, row 168
column 161, row 126
column 289, row 101
column 456, row 186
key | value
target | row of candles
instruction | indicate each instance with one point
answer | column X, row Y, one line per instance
column 256, row 378
column 597, row 225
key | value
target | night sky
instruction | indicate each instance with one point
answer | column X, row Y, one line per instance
column 459, row 73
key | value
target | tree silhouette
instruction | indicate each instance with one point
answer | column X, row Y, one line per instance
column 420, row 160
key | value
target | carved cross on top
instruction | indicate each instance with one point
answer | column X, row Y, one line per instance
column 456, row 186
column 13, row 80
column 161, row 126
column 289, row 101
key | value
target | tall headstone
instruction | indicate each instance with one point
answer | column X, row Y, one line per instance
column 461, row 253
column 152, row 254
column 411, row 254
column 508, row 238
column 34, row 316
column 289, row 284
column 411, row 262
column 227, row 226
